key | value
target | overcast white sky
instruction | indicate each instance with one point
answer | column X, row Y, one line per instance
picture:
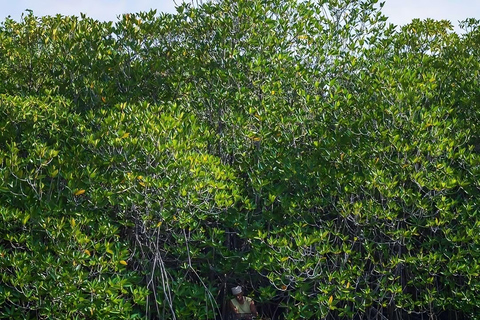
column 399, row 11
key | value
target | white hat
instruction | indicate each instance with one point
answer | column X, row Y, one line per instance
column 236, row 290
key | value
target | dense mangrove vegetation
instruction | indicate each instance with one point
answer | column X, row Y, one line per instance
column 310, row 151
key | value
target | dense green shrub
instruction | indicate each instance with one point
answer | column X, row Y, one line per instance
column 308, row 150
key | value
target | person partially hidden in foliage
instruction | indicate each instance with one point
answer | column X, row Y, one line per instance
column 242, row 307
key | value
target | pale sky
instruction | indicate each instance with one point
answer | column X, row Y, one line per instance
column 399, row 11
